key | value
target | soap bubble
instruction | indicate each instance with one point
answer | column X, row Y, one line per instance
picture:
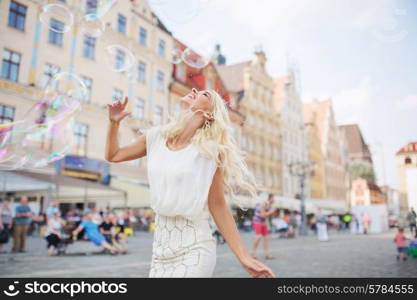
column 11, row 155
column 66, row 84
column 189, row 10
column 193, row 59
column 156, row 2
column 59, row 13
column 92, row 25
column 176, row 55
column 103, row 6
column 46, row 143
column 44, row 134
column 118, row 58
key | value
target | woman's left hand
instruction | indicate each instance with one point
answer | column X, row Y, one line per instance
column 255, row 268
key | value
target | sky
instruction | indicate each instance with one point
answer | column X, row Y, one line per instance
column 360, row 53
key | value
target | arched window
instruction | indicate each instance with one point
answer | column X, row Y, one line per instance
column 407, row 161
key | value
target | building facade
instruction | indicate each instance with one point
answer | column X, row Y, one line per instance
column 392, row 198
column 365, row 193
column 313, row 143
column 288, row 105
column 407, row 176
column 251, row 93
column 334, row 163
column 357, row 147
column 32, row 52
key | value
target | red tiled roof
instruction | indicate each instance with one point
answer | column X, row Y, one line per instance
column 354, row 138
column 409, row 148
column 232, row 76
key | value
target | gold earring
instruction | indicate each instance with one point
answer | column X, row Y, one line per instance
column 207, row 124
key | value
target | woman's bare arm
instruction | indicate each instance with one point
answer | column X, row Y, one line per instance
column 115, row 153
column 227, row 226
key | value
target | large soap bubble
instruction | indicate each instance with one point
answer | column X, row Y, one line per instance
column 92, row 25
column 58, row 12
column 45, row 133
column 176, row 55
column 103, row 6
column 193, row 59
column 119, row 58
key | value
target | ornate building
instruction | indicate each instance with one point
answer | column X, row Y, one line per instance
column 251, row 93
column 288, row 105
column 407, row 176
column 313, row 143
column 335, row 171
column 35, row 52
column 357, row 147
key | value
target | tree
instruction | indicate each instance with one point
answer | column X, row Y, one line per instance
column 360, row 168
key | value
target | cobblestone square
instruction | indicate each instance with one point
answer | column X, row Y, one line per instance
column 345, row 255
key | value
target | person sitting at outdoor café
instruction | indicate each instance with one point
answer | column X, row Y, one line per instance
column 93, row 234
column 6, row 221
column 107, row 228
column 280, row 226
column 52, row 209
column 53, row 232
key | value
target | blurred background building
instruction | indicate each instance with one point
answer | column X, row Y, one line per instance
column 251, row 93
column 271, row 124
column 407, row 176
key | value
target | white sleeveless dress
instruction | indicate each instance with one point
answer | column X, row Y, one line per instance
column 179, row 184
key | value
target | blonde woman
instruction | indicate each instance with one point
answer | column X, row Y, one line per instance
column 191, row 160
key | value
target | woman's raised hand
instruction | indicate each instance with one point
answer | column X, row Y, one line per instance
column 117, row 110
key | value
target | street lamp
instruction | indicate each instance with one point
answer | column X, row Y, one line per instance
column 302, row 170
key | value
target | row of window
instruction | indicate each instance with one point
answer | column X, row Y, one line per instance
column 269, row 178
column 255, row 121
column 11, row 65
column 17, row 19
column 139, row 108
column 262, row 93
column 248, row 143
column 292, row 139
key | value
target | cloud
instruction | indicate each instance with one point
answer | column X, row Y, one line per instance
column 354, row 105
column 351, row 105
column 408, row 103
column 266, row 16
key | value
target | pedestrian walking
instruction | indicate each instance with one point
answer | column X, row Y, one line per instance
column 400, row 240
column 366, row 222
column 346, row 221
column 262, row 213
column 190, row 160
column 321, row 224
column 354, row 225
column 412, row 219
column 6, row 221
column 22, row 220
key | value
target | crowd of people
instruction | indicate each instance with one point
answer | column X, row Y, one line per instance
column 104, row 227
column 109, row 230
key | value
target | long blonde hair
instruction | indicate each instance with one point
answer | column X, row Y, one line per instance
column 215, row 140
